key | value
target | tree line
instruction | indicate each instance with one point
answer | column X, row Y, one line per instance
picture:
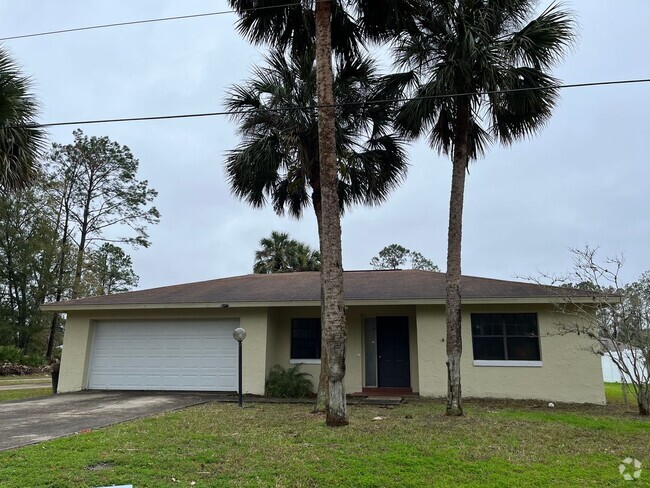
column 279, row 253
column 62, row 236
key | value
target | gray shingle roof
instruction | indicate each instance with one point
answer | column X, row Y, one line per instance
column 402, row 285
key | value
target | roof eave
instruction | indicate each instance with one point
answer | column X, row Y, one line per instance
column 70, row 307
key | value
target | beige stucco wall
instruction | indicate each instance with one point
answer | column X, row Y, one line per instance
column 570, row 372
column 77, row 341
column 430, row 322
column 279, row 350
column 280, row 335
column 74, row 356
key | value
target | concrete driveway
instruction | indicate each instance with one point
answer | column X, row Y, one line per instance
column 31, row 421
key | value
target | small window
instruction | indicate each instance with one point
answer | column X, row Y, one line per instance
column 505, row 336
column 305, row 339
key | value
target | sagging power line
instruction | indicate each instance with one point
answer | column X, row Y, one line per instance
column 314, row 107
column 144, row 21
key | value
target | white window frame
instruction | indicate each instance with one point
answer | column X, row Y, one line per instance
column 304, row 361
column 508, row 364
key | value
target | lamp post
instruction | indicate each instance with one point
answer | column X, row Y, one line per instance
column 240, row 334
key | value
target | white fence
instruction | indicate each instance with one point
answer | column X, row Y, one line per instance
column 611, row 374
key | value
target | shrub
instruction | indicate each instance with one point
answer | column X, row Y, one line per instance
column 10, row 354
column 12, row 359
column 288, row 383
column 33, row 360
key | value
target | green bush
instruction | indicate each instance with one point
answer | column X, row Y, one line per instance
column 288, row 383
column 10, row 354
column 13, row 355
column 33, row 360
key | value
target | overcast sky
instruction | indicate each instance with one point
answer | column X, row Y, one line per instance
column 583, row 179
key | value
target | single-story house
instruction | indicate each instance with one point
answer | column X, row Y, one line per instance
column 180, row 337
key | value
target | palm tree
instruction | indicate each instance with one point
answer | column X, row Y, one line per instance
column 330, row 28
column 478, row 72
column 279, row 159
column 281, row 254
column 21, row 144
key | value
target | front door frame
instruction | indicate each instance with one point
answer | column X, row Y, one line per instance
column 372, row 349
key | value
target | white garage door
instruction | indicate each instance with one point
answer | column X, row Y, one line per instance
column 164, row 355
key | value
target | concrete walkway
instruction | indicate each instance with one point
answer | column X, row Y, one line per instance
column 26, row 385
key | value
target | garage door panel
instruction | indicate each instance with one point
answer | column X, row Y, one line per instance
column 164, row 355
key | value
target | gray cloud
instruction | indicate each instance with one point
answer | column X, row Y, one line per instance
column 584, row 179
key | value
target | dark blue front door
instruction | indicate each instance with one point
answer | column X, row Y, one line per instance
column 393, row 368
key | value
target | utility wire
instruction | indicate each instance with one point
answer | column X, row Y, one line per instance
column 365, row 102
column 145, row 21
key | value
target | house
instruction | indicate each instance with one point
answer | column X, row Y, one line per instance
column 180, row 337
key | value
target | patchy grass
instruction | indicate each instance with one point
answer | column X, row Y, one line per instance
column 496, row 444
column 6, row 395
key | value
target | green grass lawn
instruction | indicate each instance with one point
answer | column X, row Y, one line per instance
column 24, row 394
column 498, row 443
column 614, row 393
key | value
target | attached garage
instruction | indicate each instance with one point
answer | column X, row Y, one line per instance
column 190, row 355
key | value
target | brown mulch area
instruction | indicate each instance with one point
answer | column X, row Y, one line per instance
column 9, row 369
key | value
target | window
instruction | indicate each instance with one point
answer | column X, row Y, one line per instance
column 305, row 339
column 505, row 337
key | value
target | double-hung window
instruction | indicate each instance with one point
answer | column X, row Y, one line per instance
column 505, row 337
column 305, row 339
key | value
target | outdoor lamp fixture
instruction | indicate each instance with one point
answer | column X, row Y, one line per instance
column 240, row 334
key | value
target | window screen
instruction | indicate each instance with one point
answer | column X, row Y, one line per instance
column 305, row 339
column 505, row 336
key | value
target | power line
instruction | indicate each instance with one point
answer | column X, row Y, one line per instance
column 366, row 102
column 144, row 21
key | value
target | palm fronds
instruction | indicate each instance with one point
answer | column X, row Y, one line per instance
column 21, row 144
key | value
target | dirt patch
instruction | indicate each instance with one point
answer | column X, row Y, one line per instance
column 99, row 466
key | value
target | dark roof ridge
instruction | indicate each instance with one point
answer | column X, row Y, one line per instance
column 237, row 277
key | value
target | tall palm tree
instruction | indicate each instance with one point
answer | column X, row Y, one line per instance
column 21, row 144
column 281, row 254
column 478, row 72
column 279, row 159
column 329, row 27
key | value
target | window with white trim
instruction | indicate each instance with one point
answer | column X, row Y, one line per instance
column 505, row 337
column 305, row 338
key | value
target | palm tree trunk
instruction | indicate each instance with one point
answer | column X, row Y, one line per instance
column 454, row 239
column 322, row 396
column 323, row 379
column 333, row 313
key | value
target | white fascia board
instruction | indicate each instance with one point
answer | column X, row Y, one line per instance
column 66, row 307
